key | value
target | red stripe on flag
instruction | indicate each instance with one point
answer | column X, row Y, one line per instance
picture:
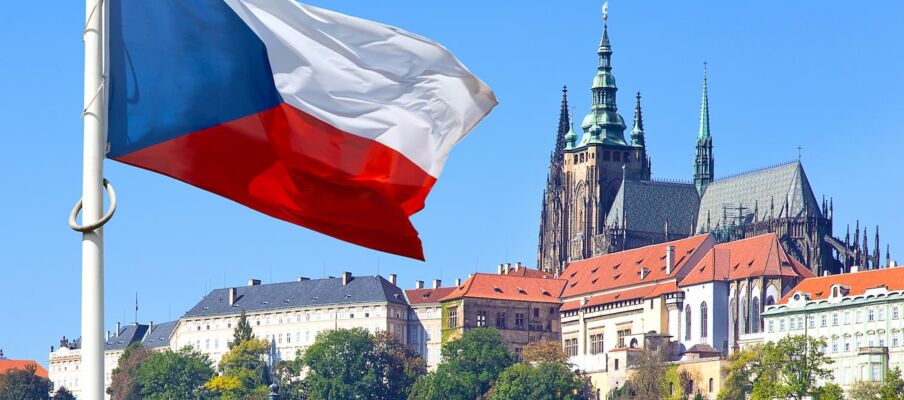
column 292, row 166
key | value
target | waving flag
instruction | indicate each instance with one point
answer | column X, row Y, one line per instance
column 328, row 121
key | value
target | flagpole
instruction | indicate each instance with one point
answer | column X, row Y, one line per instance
column 92, row 345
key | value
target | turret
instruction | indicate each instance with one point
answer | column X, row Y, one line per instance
column 603, row 124
column 704, row 165
column 637, row 135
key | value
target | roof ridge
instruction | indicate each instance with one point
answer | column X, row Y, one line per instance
column 755, row 170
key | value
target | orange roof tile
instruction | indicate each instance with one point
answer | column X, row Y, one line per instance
column 509, row 287
column 6, row 365
column 530, row 273
column 623, row 269
column 757, row 256
column 643, row 292
column 427, row 295
column 857, row 282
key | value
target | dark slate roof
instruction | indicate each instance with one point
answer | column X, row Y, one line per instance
column 159, row 335
column 786, row 184
column 308, row 293
column 647, row 205
column 127, row 335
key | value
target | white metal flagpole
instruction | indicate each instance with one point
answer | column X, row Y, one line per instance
column 92, row 346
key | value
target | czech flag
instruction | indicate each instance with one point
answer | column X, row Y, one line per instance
column 331, row 122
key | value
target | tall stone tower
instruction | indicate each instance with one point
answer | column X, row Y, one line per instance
column 587, row 171
column 704, row 165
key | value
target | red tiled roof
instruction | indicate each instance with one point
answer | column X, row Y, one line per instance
column 857, row 282
column 530, row 273
column 644, row 292
column 757, row 256
column 6, row 365
column 623, row 269
column 509, row 287
column 427, row 295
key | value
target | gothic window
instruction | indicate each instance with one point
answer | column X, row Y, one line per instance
column 769, row 301
column 703, row 321
column 687, row 322
column 755, row 315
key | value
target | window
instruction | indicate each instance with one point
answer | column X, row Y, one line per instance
column 834, row 345
column 894, row 341
column 882, row 314
column 857, row 317
column 894, row 313
column 621, row 336
column 500, row 320
column 453, row 318
column 847, row 317
column 596, row 343
column 687, row 322
column 616, row 364
column 847, row 344
column 781, row 325
column 711, row 385
column 811, row 320
column 822, row 320
column 571, row 347
column 481, row 318
column 771, row 326
column 835, row 319
column 519, row 321
column 703, row 322
column 755, row 315
column 870, row 315
column 876, row 377
column 536, row 313
column 606, row 155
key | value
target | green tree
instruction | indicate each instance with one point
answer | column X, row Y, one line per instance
column 471, row 364
column 830, row 391
column 545, row 351
column 792, row 368
column 864, row 390
column 242, row 330
column 62, row 394
column 893, row 387
column 538, row 381
column 171, row 374
column 353, row 364
column 741, row 373
column 398, row 367
column 122, row 385
column 244, row 373
column 287, row 375
column 647, row 380
column 24, row 384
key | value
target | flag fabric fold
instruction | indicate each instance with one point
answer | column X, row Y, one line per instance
column 324, row 120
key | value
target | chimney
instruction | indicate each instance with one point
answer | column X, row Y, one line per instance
column 232, row 296
column 508, row 268
column 108, row 335
column 517, row 266
column 499, row 269
column 392, row 278
column 643, row 273
column 346, row 278
column 584, row 300
column 892, row 264
column 457, row 281
column 418, row 284
column 855, row 268
column 303, row 278
column 437, row 283
column 150, row 326
column 669, row 259
column 118, row 326
column 254, row 282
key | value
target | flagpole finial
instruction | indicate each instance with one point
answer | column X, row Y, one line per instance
column 605, row 10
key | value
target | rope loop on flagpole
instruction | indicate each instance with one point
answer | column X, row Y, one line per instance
column 94, row 9
column 91, row 227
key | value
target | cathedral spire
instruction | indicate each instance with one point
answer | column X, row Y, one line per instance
column 564, row 125
column 703, row 131
column 603, row 124
column 637, row 136
column 704, row 164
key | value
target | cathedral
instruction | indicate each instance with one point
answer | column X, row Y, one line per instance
column 600, row 197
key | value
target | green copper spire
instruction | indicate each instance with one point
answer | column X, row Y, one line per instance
column 603, row 124
column 703, row 132
column 637, row 138
column 704, row 164
column 571, row 137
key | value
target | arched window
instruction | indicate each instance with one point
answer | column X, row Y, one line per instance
column 711, row 388
column 703, row 322
column 755, row 315
column 633, row 343
column 687, row 322
column 769, row 301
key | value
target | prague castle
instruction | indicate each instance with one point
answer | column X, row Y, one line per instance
column 600, row 196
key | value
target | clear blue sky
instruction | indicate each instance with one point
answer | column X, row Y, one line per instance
column 826, row 76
